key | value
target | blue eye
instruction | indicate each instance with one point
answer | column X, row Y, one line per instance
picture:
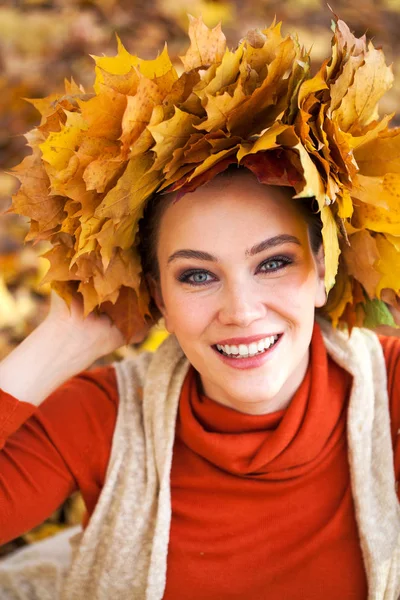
column 274, row 264
column 195, row 277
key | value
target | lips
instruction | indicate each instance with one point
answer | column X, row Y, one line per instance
column 249, row 362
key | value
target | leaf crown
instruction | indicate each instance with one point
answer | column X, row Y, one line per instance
column 98, row 157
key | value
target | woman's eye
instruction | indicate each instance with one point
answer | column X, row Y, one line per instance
column 196, row 277
column 274, row 264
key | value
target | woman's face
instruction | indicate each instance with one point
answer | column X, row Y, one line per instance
column 239, row 284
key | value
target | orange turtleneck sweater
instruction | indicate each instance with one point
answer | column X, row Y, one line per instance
column 261, row 504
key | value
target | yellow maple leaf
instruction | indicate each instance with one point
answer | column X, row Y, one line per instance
column 371, row 80
column 331, row 246
column 340, row 296
column 388, row 265
column 379, row 155
column 170, row 135
column 135, row 185
column 207, row 46
column 266, row 141
column 102, row 114
column 124, row 62
column 60, row 146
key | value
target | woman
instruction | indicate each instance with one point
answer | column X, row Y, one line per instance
column 260, row 479
column 252, row 455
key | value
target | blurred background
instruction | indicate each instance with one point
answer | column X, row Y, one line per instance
column 44, row 41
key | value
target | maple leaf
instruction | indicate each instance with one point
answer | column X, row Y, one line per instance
column 371, row 80
column 206, row 46
column 138, row 112
column 32, row 199
column 102, row 114
column 60, row 146
column 361, row 254
column 388, row 264
column 331, row 246
column 340, row 296
column 135, row 185
column 124, row 64
column 170, row 135
column 127, row 313
column 380, row 154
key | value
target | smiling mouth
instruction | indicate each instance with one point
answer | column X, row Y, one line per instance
column 248, row 350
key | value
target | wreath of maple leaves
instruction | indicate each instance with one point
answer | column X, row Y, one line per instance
column 97, row 158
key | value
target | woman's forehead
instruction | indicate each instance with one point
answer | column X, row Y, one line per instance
column 237, row 207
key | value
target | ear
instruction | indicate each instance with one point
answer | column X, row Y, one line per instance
column 155, row 291
column 320, row 295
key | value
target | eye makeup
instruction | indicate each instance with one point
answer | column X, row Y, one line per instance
column 189, row 276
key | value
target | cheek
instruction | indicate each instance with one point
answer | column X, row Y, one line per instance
column 187, row 314
column 293, row 295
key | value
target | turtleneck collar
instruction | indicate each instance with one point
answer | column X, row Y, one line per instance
column 281, row 444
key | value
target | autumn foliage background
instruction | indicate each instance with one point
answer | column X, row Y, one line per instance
column 43, row 42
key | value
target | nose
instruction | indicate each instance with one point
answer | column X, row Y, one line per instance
column 241, row 305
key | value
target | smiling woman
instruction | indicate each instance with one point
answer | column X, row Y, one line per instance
column 234, row 264
column 256, row 453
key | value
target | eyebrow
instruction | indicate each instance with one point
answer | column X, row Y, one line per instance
column 277, row 240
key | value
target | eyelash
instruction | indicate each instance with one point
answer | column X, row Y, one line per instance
column 184, row 277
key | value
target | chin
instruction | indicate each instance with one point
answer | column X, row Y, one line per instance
column 255, row 392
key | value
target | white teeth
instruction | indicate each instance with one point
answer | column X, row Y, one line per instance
column 243, row 350
column 252, row 349
column 260, row 346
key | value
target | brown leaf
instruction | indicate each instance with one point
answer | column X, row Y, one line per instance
column 59, row 258
column 186, row 185
column 359, row 106
column 123, row 269
column 133, row 187
column 207, row 46
column 268, row 100
column 103, row 113
column 32, row 199
column 138, row 112
column 170, row 135
column 273, row 168
column 101, row 172
column 360, row 257
column 126, row 315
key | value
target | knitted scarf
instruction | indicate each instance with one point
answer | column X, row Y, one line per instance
column 123, row 551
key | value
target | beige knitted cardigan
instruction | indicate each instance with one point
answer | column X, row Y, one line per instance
column 122, row 554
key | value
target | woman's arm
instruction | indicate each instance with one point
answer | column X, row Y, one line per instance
column 64, row 445
column 56, row 419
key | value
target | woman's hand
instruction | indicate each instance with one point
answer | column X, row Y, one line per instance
column 94, row 335
column 62, row 346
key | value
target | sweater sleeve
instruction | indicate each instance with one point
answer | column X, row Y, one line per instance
column 391, row 350
column 50, row 451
